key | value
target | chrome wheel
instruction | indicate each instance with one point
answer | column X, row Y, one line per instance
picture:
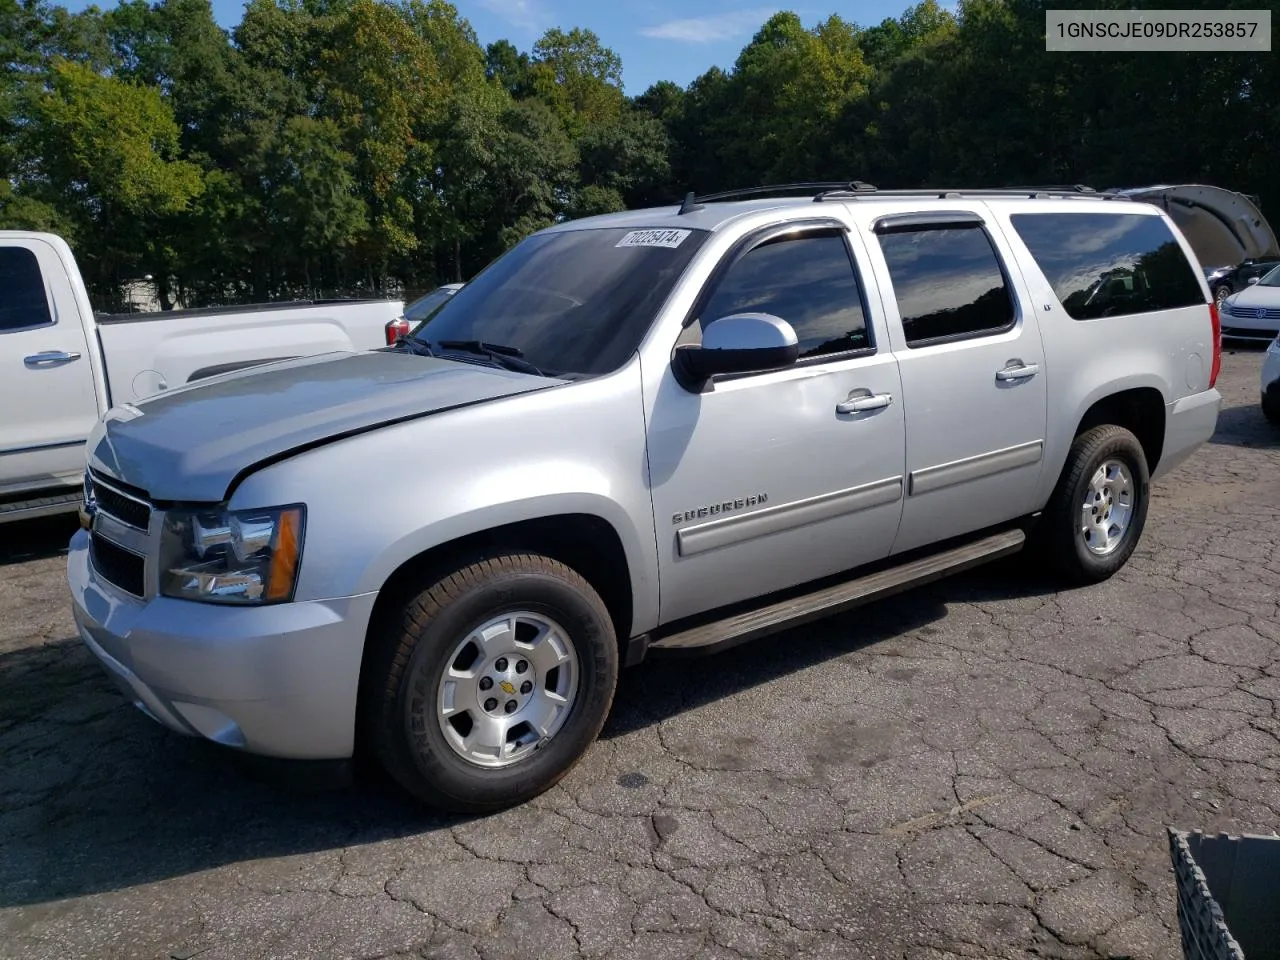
column 1108, row 508
column 508, row 688
column 1221, row 294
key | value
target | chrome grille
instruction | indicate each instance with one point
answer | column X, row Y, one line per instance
column 130, row 510
column 1254, row 313
column 117, row 565
column 118, row 541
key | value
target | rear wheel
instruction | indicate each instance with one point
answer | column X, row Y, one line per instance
column 1220, row 294
column 1098, row 510
column 494, row 683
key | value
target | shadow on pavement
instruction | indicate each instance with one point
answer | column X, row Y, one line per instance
column 1245, row 426
column 27, row 540
column 664, row 687
column 94, row 797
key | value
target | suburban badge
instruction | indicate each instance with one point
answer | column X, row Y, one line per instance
column 716, row 509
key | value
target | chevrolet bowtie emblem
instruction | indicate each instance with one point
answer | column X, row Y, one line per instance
column 506, row 686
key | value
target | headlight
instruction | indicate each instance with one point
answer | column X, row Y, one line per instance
column 220, row 556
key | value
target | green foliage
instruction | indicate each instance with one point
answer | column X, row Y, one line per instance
column 330, row 146
column 112, row 144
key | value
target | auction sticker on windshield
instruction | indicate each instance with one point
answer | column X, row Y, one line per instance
column 654, row 238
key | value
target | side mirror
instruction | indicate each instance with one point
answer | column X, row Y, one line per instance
column 740, row 343
column 1253, row 280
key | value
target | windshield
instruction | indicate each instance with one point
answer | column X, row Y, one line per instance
column 1271, row 279
column 426, row 305
column 576, row 302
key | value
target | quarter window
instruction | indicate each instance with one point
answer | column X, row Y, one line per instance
column 948, row 283
column 808, row 281
column 23, row 303
column 1107, row 264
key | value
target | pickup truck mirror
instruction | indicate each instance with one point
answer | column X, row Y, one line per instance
column 739, row 343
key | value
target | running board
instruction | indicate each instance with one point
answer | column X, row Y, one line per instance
column 40, row 506
column 827, row 601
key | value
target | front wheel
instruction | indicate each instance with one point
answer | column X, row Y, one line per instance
column 496, row 680
column 1220, row 294
column 1096, row 515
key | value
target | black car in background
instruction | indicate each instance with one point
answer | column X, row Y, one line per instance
column 1224, row 281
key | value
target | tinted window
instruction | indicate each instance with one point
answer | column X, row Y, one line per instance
column 23, row 302
column 575, row 302
column 808, row 282
column 1271, row 278
column 424, row 306
column 948, row 283
column 1106, row 264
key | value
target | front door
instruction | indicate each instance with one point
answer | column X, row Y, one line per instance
column 973, row 373
column 761, row 482
column 47, row 399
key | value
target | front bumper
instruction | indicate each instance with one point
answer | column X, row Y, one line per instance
column 277, row 680
column 1247, row 326
column 1271, row 375
column 1189, row 422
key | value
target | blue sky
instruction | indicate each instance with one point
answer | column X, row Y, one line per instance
column 657, row 39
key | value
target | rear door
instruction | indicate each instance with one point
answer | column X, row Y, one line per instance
column 47, row 399
column 972, row 367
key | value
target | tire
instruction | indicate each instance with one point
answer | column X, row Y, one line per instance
column 407, row 685
column 1220, row 294
column 1271, row 408
column 1060, row 529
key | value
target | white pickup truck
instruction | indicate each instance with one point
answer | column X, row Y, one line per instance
column 62, row 368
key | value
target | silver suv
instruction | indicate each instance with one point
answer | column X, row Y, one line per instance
column 660, row 431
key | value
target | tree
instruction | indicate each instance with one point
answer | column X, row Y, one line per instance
column 578, row 77
column 109, row 149
column 626, row 162
column 509, row 68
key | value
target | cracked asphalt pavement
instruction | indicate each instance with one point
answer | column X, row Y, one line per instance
column 981, row 768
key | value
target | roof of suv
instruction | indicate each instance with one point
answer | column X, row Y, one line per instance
column 712, row 215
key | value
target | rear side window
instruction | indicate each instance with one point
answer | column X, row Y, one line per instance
column 1109, row 264
column 948, row 283
column 23, row 302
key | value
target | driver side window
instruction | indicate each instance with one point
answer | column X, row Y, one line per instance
column 808, row 281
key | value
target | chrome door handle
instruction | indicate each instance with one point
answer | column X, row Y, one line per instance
column 48, row 358
column 875, row 401
column 1018, row 373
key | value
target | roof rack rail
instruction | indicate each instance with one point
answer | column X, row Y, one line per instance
column 694, row 202
column 1076, row 190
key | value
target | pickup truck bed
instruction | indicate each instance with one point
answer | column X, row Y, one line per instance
column 62, row 367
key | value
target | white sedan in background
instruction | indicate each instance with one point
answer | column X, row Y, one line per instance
column 1254, row 312
column 1271, row 382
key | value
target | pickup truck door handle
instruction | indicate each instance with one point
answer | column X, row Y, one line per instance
column 1020, row 372
column 864, row 402
column 50, row 358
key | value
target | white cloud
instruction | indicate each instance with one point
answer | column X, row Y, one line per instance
column 522, row 14
column 724, row 26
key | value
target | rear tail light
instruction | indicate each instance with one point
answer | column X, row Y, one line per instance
column 1217, row 343
column 400, row 328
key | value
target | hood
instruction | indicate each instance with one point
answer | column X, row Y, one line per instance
column 192, row 443
column 1222, row 226
column 1256, row 295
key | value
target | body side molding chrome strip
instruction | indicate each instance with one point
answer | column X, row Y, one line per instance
column 786, row 516
column 943, row 475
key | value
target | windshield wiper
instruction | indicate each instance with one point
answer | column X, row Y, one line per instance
column 510, row 358
column 415, row 346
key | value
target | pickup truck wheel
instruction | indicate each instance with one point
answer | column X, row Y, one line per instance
column 497, row 679
column 1095, row 517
